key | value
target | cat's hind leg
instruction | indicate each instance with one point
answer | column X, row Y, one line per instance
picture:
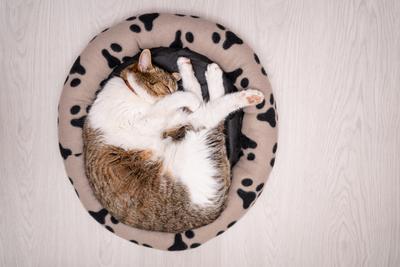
column 212, row 113
column 189, row 81
column 215, row 82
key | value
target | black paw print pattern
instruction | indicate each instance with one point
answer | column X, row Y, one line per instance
column 274, row 148
column 76, row 72
column 248, row 196
column 246, row 143
column 177, row 43
column 112, row 60
column 100, row 217
column 66, row 152
column 76, row 122
column 270, row 115
column 146, row 20
column 257, row 60
column 230, row 37
column 79, row 120
column 227, row 227
column 180, row 244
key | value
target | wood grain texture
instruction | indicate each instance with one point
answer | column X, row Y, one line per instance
column 334, row 196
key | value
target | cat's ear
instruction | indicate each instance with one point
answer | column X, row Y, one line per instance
column 145, row 61
column 176, row 76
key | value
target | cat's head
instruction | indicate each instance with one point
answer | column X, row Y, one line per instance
column 155, row 81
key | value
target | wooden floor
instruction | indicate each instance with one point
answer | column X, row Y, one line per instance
column 334, row 196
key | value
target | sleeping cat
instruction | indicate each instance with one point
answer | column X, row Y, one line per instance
column 155, row 157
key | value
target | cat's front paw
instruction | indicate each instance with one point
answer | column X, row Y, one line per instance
column 185, row 66
column 252, row 97
column 189, row 80
column 186, row 71
column 214, row 81
column 214, row 71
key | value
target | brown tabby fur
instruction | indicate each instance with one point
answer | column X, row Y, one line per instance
column 156, row 81
column 136, row 190
column 177, row 133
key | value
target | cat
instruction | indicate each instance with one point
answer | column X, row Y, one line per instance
column 155, row 157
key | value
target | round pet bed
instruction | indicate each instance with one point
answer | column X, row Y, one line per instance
column 251, row 148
